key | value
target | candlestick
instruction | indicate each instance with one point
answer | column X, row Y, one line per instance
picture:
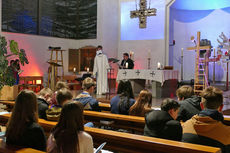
column 126, row 65
column 182, row 49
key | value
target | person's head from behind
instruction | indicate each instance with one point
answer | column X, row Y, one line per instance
column 24, row 112
column 46, row 93
column 184, row 92
column 171, row 106
column 125, row 56
column 145, row 97
column 88, row 85
column 63, row 96
column 99, row 47
column 125, row 88
column 69, row 125
column 212, row 98
column 60, row 85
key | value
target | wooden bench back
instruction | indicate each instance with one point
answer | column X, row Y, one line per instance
column 131, row 143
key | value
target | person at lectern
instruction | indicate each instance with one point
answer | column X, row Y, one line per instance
column 126, row 63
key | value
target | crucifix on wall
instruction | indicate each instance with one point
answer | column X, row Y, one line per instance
column 142, row 13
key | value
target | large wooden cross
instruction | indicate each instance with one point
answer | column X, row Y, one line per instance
column 143, row 13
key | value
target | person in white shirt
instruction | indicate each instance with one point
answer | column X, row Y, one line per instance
column 100, row 70
column 68, row 135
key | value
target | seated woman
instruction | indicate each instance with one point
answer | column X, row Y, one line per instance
column 22, row 128
column 124, row 99
column 68, row 135
column 142, row 105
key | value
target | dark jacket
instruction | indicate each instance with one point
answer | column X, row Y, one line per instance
column 188, row 108
column 32, row 137
column 42, row 107
column 207, row 128
column 88, row 101
column 123, row 109
column 130, row 63
column 160, row 124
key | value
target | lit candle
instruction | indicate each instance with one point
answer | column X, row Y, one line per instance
column 126, row 65
column 74, row 69
column 87, row 70
column 182, row 49
column 158, row 65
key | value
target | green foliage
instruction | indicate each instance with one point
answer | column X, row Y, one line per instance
column 6, row 71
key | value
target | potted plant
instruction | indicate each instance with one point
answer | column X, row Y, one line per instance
column 9, row 51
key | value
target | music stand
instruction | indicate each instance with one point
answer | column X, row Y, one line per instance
column 53, row 75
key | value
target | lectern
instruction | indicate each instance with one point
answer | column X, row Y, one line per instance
column 52, row 75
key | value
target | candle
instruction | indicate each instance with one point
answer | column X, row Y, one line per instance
column 158, row 65
column 87, row 70
column 126, row 65
column 149, row 53
column 182, row 49
column 74, row 69
column 214, row 52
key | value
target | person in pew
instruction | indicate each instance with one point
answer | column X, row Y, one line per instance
column 63, row 96
column 142, row 105
column 162, row 123
column 121, row 103
column 59, row 85
column 207, row 128
column 189, row 103
column 23, row 128
column 44, row 98
column 68, row 135
column 85, row 97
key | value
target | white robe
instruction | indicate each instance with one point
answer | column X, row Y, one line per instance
column 100, row 70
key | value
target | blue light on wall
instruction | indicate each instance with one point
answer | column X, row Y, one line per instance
column 201, row 4
column 130, row 27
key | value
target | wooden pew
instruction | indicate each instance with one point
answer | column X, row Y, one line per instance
column 131, row 143
column 15, row 149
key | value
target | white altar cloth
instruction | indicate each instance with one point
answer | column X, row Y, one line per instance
column 147, row 74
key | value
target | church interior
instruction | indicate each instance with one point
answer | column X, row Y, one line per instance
column 172, row 43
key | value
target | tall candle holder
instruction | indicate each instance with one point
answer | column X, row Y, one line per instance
column 149, row 59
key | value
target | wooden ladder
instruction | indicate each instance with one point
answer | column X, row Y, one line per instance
column 201, row 66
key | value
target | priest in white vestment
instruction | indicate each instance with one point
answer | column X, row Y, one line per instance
column 100, row 70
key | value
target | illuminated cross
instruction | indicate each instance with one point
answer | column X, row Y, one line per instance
column 143, row 13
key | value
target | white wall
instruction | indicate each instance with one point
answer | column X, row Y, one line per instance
column 141, row 47
column 36, row 46
column 186, row 24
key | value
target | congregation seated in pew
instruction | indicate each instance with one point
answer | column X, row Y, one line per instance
column 63, row 96
column 189, row 103
column 60, row 85
column 121, row 103
column 207, row 127
column 68, row 135
column 86, row 98
column 44, row 98
column 142, row 105
column 23, row 128
column 162, row 123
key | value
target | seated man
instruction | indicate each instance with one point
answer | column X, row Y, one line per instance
column 189, row 103
column 206, row 128
column 63, row 96
column 126, row 63
column 44, row 97
column 162, row 123
column 85, row 97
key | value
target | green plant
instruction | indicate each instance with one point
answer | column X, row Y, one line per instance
column 8, row 52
